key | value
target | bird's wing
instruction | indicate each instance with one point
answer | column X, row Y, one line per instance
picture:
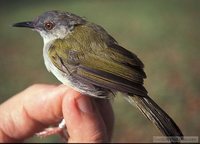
column 106, row 64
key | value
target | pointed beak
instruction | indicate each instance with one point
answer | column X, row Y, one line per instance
column 27, row 24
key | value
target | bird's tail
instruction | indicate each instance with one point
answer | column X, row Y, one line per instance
column 156, row 115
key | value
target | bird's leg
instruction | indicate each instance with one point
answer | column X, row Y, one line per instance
column 61, row 129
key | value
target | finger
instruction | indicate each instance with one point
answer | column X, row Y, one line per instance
column 83, row 120
column 30, row 111
column 106, row 111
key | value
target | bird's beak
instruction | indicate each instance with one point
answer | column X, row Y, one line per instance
column 27, row 24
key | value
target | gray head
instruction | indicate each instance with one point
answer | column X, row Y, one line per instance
column 53, row 24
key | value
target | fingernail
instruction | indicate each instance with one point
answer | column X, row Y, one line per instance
column 85, row 104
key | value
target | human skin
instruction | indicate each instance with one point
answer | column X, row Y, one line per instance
column 41, row 105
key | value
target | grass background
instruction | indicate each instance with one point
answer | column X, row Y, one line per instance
column 165, row 34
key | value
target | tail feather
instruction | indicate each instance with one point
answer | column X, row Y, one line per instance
column 155, row 114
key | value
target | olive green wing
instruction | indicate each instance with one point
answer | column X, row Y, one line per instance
column 112, row 74
column 107, row 65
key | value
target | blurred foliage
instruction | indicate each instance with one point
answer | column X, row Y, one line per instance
column 165, row 34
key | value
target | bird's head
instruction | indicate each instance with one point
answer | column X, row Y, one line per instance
column 53, row 24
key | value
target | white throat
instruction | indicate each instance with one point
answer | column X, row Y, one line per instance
column 54, row 34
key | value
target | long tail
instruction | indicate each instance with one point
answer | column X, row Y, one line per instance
column 155, row 114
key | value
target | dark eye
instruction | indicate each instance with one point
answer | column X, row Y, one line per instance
column 49, row 25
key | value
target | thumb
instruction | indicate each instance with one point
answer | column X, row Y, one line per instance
column 83, row 120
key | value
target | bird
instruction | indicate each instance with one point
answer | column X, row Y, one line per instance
column 84, row 56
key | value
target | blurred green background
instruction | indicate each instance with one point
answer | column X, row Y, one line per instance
column 165, row 34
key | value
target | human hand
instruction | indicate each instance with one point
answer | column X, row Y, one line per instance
column 39, row 106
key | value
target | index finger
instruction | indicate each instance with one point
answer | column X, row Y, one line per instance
column 31, row 111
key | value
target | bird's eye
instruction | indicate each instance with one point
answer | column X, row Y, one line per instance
column 49, row 25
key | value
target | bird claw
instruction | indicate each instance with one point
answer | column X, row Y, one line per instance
column 61, row 129
column 50, row 131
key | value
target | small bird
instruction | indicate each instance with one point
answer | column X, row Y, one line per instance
column 84, row 56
